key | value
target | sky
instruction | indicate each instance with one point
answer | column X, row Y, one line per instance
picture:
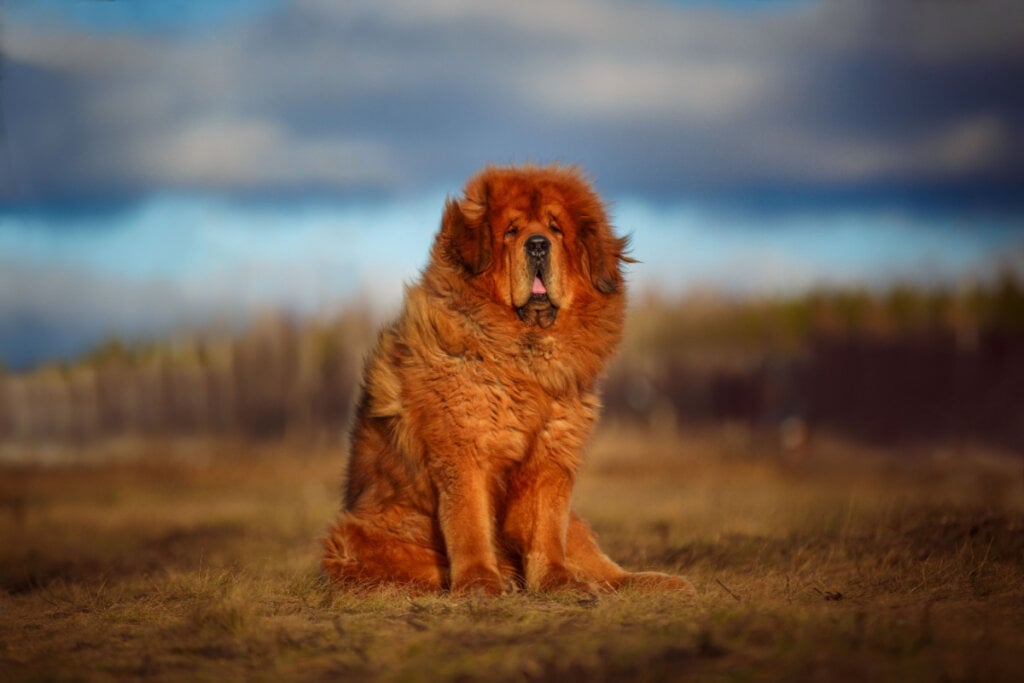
column 169, row 164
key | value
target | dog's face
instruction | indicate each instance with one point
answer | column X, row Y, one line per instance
column 537, row 240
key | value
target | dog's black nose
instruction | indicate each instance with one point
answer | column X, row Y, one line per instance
column 537, row 246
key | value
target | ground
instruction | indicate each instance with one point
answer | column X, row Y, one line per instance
column 198, row 560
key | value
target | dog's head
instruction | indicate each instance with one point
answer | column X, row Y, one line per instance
column 536, row 239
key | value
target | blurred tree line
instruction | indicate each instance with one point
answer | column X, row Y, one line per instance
column 277, row 378
column 907, row 363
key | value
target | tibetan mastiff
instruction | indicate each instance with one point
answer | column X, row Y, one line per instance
column 477, row 401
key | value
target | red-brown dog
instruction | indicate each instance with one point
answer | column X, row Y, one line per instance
column 477, row 401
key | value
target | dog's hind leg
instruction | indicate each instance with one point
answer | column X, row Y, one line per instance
column 584, row 558
column 358, row 555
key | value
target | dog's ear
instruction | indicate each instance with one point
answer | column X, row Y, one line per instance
column 467, row 234
column 603, row 253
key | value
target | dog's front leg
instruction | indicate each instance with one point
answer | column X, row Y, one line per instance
column 466, row 517
column 536, row 523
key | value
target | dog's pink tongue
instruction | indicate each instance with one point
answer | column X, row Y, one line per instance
column 538, row 286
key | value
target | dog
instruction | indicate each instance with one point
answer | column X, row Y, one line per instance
column 477, row 401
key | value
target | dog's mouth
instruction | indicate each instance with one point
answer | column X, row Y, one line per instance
column 539, row 309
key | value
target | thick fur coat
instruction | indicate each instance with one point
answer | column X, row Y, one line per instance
column 478, row 400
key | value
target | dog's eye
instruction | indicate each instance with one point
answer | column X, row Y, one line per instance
column 512, row 231
column 554, row 228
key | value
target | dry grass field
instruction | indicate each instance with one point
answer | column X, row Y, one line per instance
column 179, row 560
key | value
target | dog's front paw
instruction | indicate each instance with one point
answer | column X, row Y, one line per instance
column 478, row 579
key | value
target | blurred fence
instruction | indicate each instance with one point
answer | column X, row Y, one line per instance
column 907, row 364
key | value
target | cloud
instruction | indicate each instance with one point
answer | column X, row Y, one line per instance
column 748, row 253
column 180, row 261
column 349, row 122
column 655, row 99
column 67, row 283
column 254, row 154
column 613, row 91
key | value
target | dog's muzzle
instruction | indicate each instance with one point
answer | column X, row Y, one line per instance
column 538, row 247
column 539, row 309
